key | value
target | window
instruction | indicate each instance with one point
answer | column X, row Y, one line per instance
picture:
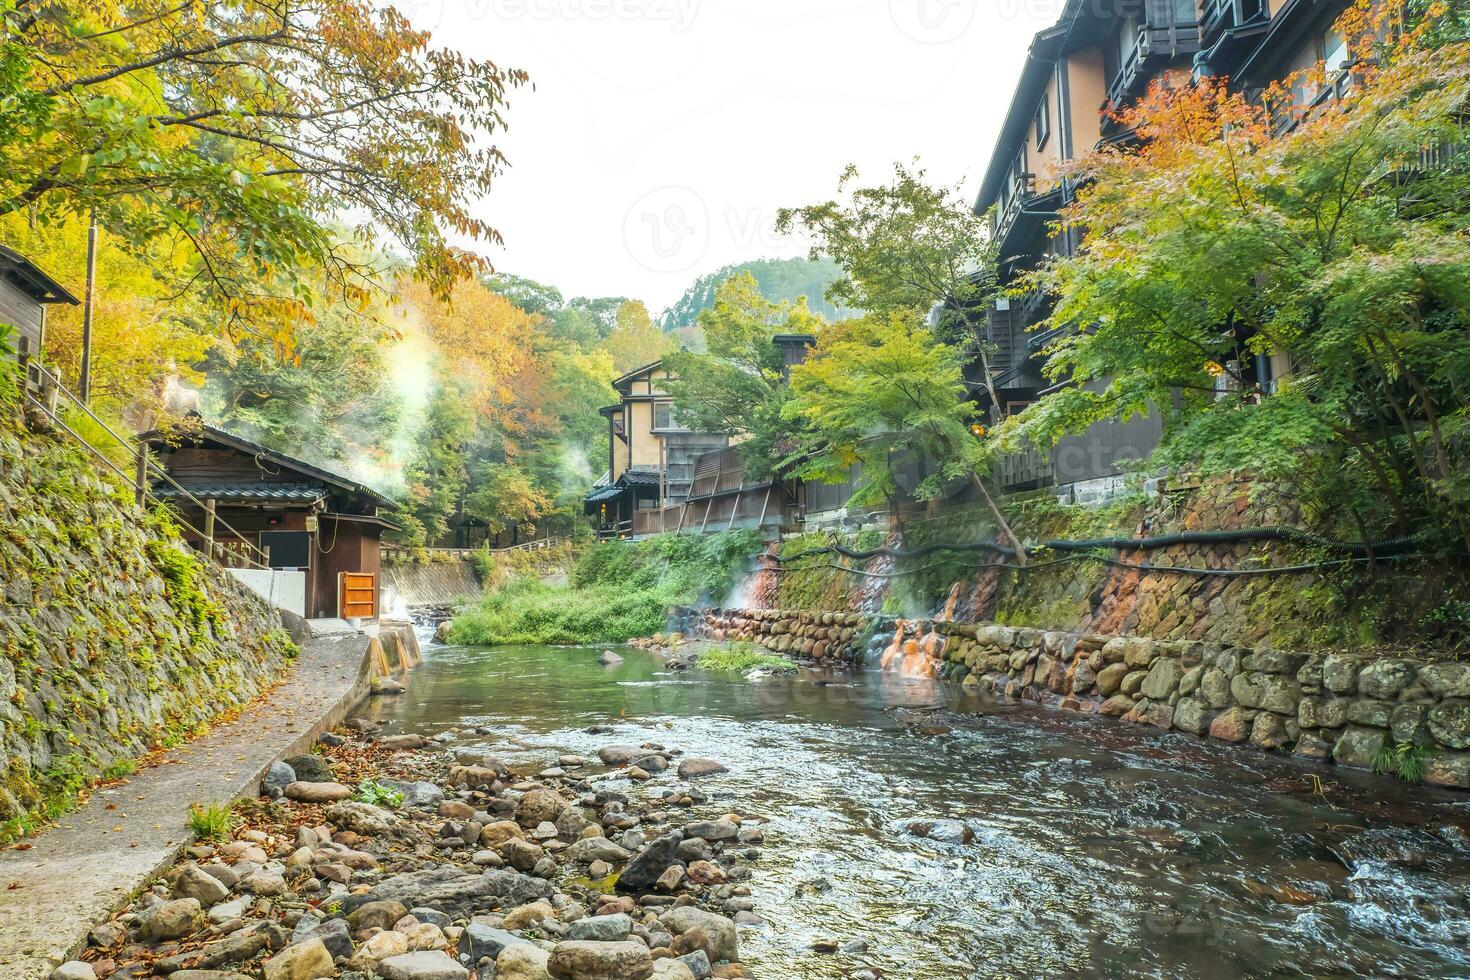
column 1185, row 12
column 663, row 418
column 1043, row 123
column 1335, row 53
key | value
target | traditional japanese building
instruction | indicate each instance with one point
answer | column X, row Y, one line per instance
column 25, row 292
column 250, row 505
column 1078, row 76
column 652, row 455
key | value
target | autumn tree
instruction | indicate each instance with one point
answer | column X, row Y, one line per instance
column 636, row 340
column 739, row 386
column 908, row 245
column 235, row 134
column 1336, row 252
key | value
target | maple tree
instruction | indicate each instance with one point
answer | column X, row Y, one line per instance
column 233, row 136
column 1332, row 244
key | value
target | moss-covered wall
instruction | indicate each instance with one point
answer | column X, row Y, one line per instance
column 114, row 637
column 1332, row 607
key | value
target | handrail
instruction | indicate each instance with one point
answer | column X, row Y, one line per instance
column 147, row 465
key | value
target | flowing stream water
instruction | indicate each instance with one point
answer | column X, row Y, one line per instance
column 1099, row 849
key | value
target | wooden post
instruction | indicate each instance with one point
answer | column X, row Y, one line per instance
column 141, row 478
column 209, row 506
column 765, row 505
column 84, row 388
column 735, row 510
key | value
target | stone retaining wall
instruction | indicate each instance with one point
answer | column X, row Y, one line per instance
column 1327, row 707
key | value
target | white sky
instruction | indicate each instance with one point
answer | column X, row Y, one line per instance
column 662, row 135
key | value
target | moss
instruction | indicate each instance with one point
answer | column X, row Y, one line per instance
column 742, row 657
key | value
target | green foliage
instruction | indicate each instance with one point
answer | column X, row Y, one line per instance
column 739, row 387
column 371, row 791
column 779, row 281
column 183, row 578
column 618, row 590
column 882, row 391
column 9, row 367
column 743, row 657
column 438, row 474
column 1407, row 760
column 212, row 822
column 1329, row 249
column 1450, row 623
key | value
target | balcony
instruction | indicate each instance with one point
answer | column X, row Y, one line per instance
column 1157, row 45
column 1021, row 190
column 1220, row 16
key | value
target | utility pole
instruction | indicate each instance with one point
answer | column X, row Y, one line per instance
column 84, row 387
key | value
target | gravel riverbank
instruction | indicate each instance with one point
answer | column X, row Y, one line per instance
column 403, row 858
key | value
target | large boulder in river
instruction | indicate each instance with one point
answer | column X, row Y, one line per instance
column 720, row 930
column 639, row 876
column 456, row 893
column 694, row 768
column 538, row 806
column 585, row 960
column 312, row 769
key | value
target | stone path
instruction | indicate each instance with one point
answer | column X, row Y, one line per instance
column 79, row 871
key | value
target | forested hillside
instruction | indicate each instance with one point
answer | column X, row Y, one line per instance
column 779, row 281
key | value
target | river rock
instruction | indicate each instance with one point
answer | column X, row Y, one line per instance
column 74, row 970
column 1386, row 678
column 378, row 947
column 1358, row 747
column 643, row 871
column 694, row 768
column 1370, row 712
column 1214, row 688
column 418, row 795
column 576, row 960
column 171, row 920
column 522, row 854
column 721, row 931
column 1279, row 694
column 311, row 769
column 1269, row 731
column 538, row 806
column 194, row 883
column 1110, row 679
column 335, row 935
column 456, row 893
column 277, row 777
column 478, row 941
column 670, row 969
column 946, row 831
column 523, row 961
column 361, row 818
column 1448, row 769
column 376, row 915
column 601, row 928
column 401, row 743
column 570, row 823
column 304, row 961
column 1409, row 724
column 303, row 792
column 620, row 755
column 609, row 659
column 496, row 834
column 712, row 830
column 1193, row 716
column 591, row 849
column 528, row 915
column 424, row 965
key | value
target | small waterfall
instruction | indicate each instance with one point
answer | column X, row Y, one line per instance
column 914, row 651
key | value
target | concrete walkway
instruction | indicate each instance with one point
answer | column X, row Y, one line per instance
column 80, row 871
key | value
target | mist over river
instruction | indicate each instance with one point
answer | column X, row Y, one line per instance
column 1097, row 848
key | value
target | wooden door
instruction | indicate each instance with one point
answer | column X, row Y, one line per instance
column 357, row 595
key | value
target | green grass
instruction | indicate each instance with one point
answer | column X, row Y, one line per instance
column 1405, row 760
column 618, row 590
column 743, row 657
column 212, row 822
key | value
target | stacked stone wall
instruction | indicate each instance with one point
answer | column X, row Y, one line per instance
column 1334, row 708
column 114, row 637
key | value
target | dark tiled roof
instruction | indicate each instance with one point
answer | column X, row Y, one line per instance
column 639, row 478
column 603, row 493
column 270, row 492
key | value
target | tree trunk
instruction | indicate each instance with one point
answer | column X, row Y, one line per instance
column 1000, row 520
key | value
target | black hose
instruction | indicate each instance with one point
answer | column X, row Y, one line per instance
column 1375, row 549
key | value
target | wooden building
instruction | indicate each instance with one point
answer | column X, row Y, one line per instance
column 25, row 292
column 652, row 454
column 1098, row 59
column 302, row 517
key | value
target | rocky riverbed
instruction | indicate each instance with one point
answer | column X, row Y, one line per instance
column 402, row 858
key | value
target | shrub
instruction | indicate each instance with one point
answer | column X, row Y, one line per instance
column 743, row 657
column 371, row 791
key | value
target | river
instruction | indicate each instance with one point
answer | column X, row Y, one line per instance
column 1099, row 848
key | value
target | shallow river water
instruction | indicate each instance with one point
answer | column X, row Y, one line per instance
column 1100, row 849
